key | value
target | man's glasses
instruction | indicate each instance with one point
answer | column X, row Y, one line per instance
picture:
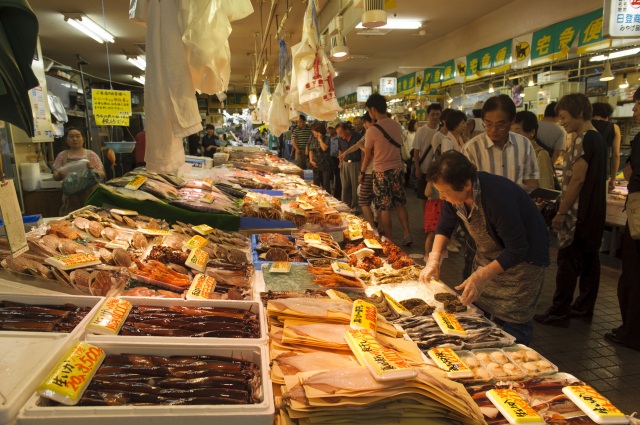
column 496, row 125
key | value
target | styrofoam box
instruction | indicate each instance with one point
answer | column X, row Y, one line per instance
column 252, row 306
column 261, row 413
column 27, row 357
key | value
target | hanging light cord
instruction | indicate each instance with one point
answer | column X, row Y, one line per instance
column 106, row 44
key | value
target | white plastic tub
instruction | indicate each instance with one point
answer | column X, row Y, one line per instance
column 34, row 413
column 27, row 357
column 252, row 306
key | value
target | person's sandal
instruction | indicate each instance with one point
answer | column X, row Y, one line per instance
column 407, row 241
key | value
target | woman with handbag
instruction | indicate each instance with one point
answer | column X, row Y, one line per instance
column 78, row 180
column 628, row 334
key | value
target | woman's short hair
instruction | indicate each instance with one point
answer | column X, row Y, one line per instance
column 577, row 105
column 527, row 120
column 602, row 109
column 411, row 126
column 452, row 168
column 454, row 118
column 319, row 127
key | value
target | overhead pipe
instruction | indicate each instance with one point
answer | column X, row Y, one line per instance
column 265, row 35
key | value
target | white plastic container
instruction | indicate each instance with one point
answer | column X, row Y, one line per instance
column 199, row 161
column 34, row 413
column 27, row 357
column 252, row 306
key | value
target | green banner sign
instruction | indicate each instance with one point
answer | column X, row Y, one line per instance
column 407, row 83
column 573, row 35
column 447, row 76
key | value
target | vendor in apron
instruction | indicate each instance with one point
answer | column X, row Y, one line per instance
column 511, row 238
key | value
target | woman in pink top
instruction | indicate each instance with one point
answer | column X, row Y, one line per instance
column 76, row 152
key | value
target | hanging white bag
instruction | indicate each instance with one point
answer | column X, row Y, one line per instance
column 278, row 114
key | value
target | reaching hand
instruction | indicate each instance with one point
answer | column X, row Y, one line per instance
column 432, row 269
column 473, row 286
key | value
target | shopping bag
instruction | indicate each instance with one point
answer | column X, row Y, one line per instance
column 263, row 103
column 78, row 181
column 278, row 114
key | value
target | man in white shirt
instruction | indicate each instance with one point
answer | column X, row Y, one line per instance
column 421, row 143
column 388, row 176
column 499, row 151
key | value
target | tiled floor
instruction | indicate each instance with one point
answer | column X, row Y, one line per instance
column 581, row 349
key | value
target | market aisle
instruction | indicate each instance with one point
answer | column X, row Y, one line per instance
column 580, row 349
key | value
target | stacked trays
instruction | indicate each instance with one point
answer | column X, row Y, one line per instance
column 260, row 412
column 27, row 357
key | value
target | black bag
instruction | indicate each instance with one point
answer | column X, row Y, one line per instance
column 549, row 211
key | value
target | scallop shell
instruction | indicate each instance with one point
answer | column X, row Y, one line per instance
column 238, row 257
column 19, row 264
column 50, row 241
column 139, row 241
column 80, row 277
column 110, row 233
column 105, row 255
column 68, row 246
column 61, row 276
column 122, row 257
column 100, row 283
column 81, row 223
column 130, row 222
column 95, row 229
column 118, row 217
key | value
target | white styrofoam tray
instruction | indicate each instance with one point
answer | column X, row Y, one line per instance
column 27, row 357
column 252, row 306
column 260, row 413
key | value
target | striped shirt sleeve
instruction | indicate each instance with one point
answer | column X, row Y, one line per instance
column 531, row 170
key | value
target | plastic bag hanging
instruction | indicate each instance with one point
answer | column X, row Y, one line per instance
column 284, row 60
column 263, row 102
column 278, row 113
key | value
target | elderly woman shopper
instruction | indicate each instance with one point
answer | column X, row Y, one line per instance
column 511, row 238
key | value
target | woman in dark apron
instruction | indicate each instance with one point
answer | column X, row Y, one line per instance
column 511, row 238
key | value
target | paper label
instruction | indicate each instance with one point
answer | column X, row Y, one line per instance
column 12, row 218
column 207, row 182
column 250, row 195
column 136, row 182
column 197, row 260
column 154, row 232
column 513, row 407
column 354, row 234
column 364, row 315
column 595, row 405
column 395, row 305
column 124, row 212
column 202, row 287
column 73, row 261
column 208, row 198
column 117, row 243
column 196, row 242
column 383, row 363
column 311, row 193
column 280, row 267
column 338, row 295
column 448, row 323
column 312, row 238
column 372, row 243
column 305, row 207
column 447, row 360
column 203, row 229
column 343, row 269
column 110, row 318
column 71, row 376
column 263, row 203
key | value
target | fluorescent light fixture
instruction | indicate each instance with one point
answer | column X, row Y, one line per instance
column 398, row 24
column 607, row 75
column 614, row 55
column 139, row 61
column 625, row 83
column 139, row 78
column 89, row 28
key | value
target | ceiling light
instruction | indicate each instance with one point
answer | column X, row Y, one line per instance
column 253, row 97
column 614, row 55
column 625, row 83
column 339, row 49
column 531, row 82
column 139, row 78
column 607, row 75
column 449, row 99
column 491, row 89
column 374, row 15
column 89, row 28
column 396, row 24
column 139, row 61
column 522, row 94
